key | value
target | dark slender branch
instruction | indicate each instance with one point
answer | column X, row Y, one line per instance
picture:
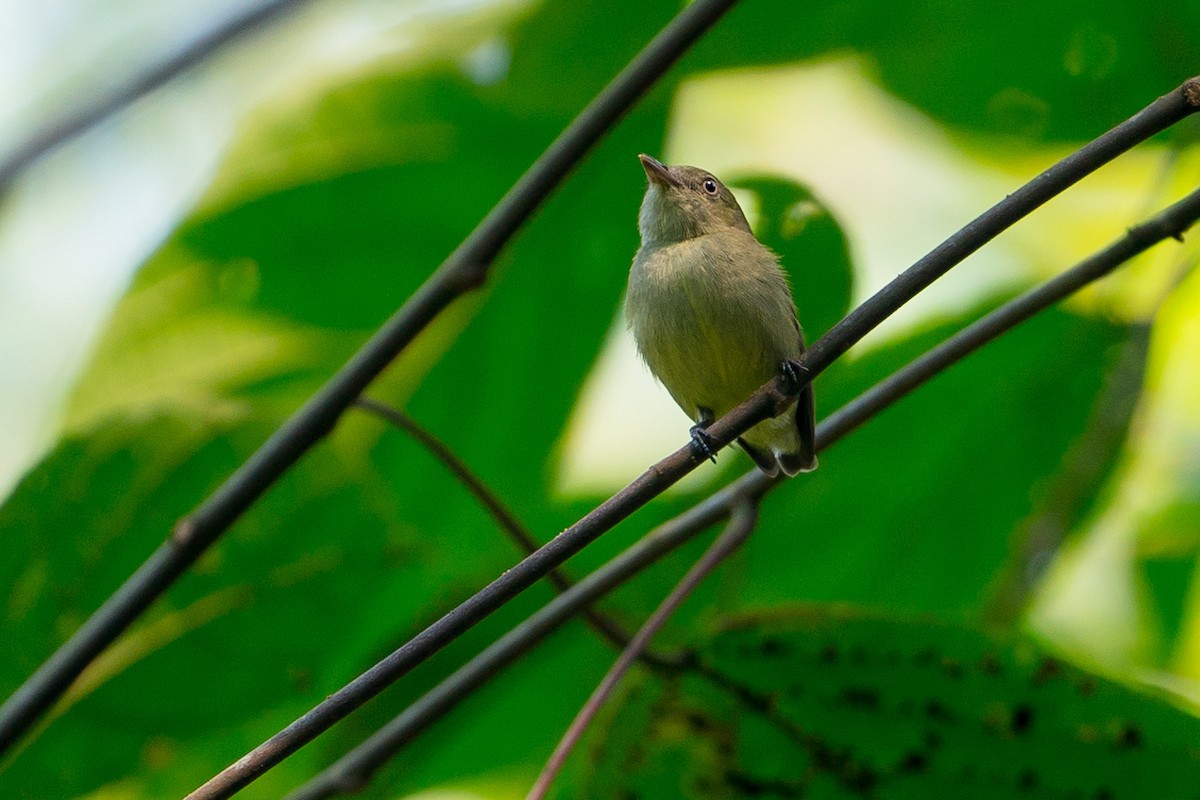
column 1170, row 224
column 465, row 269
column 1075, row 484
column 1159, row 115
column 770, row 399
column 194, row 52
column 1040, row 537
column 741, row 524
column 608, row 628
column 475, row 485
column 354, row 769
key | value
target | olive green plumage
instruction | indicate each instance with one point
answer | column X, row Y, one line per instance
column 712, row 313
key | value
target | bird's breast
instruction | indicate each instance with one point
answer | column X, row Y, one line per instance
column 711, row 328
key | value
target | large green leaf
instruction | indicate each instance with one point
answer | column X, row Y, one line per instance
column 811, row 245
column 813, row 703
column 1027, row 71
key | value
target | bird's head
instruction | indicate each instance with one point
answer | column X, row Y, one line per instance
column 685, row 202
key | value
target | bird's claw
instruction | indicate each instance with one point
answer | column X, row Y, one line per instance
column 792, row 372
column 702, row 444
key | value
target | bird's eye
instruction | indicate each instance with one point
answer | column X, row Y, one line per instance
column 710, row 186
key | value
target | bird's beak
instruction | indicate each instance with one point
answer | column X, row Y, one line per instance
column 657, row 171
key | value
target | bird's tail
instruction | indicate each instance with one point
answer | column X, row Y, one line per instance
column 805, row 457
column 763, row 459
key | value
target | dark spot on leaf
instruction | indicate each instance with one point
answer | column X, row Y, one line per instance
column 756, row 701
column 990, row 665
column 1087, row 687
column 1027, row 781
column 935, row 710
column 750, row 786
column 859, row 778
column 1022, row 718
column 914, row 761
column 861, row 697
column 1105, row 794
column 698, row 722
column 952, row 667
column 743, row 783
column 925, row 657
column 829, row 654
column 773, row 647
column 1129, row 736
column 1048, row 670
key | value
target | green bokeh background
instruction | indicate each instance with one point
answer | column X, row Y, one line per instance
column 277, row 275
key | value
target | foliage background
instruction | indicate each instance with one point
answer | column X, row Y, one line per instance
column 860, row 133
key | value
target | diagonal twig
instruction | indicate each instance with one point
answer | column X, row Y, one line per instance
column 1171, row 223
column 1039, row 538
column 741, row 525
column 500, row 512
column 604, row 625
column 354, row 769
column 194, row 52
column 465, row 269
column 768, row 400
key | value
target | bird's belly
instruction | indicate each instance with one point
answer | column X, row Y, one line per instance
column 707, row 357
column 711, row 326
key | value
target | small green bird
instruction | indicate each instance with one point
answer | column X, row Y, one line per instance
column 712, row 313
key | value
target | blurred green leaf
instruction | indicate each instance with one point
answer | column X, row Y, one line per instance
column 811, row 245
column 315, row 233
column 1060, row 71
column 1168, row 580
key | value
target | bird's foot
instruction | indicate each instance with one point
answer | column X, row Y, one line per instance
column 792, row 373
column 702, row 444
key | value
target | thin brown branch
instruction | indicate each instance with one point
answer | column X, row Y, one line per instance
column 1038, row 539
column 491, row 502
column 608, row 628
column 192, row 53
column 741, row 524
